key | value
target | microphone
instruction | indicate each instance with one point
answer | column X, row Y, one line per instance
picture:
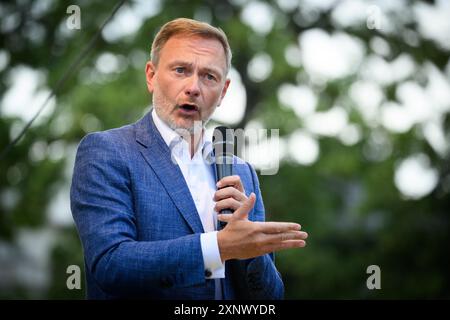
column 223, row 144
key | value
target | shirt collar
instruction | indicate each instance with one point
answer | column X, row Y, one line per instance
column 171, row 137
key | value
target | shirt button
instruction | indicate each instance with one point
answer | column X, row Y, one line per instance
column 208, row 273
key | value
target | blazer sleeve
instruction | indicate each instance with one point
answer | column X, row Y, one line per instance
column 263, row 279
column 102, row 207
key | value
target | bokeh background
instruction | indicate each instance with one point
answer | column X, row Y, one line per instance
column 359, row 90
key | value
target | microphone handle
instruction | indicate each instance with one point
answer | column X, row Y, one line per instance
column 223, row 170
column 222, row 224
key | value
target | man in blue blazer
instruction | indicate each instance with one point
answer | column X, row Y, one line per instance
column 145, row 199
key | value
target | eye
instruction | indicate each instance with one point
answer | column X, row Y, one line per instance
column 211, row 77
column 179, row 69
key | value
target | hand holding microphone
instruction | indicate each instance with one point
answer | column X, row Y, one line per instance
column 240, row 238
column 231, row 194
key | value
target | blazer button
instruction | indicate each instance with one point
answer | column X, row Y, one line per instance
column 208, row 273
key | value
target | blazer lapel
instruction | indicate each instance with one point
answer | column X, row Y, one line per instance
column 157, row 155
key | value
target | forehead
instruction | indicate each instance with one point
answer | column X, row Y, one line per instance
column 191, row 47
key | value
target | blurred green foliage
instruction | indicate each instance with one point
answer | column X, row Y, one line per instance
column 347, row 202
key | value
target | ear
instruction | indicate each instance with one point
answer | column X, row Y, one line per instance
column 150, row 70
column 224, row 91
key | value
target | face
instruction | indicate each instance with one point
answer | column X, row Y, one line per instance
column 189, row 81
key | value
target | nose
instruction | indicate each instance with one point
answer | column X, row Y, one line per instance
column 192, row 88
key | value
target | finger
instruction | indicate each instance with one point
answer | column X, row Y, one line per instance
column 278, row 227
column 286, row 236
column 234, row 181
column 229, row 203
column 229, row 192
column 224, row 217
column 246, row 207
column 288, row 244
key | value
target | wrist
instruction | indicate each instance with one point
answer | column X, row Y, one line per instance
column 221, row 242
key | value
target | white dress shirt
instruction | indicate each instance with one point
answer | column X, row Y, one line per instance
column 199, row 177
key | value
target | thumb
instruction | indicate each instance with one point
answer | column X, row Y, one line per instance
column 247, row 206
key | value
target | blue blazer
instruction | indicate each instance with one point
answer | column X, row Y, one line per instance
column 139, row 226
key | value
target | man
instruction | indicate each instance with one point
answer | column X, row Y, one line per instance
column 145, row 200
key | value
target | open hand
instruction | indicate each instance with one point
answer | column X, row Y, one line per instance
column 243, row 239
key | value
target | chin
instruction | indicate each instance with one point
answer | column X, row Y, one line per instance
column 181, row 124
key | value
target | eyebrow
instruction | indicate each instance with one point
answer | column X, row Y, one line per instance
column 188, row 64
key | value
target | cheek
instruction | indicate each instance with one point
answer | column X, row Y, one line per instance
column 166, row 90
column 214, row 98
column 173, row 89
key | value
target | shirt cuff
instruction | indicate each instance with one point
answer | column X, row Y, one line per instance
column 214, row 268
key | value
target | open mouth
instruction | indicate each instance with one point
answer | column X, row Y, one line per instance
column 188, row 107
